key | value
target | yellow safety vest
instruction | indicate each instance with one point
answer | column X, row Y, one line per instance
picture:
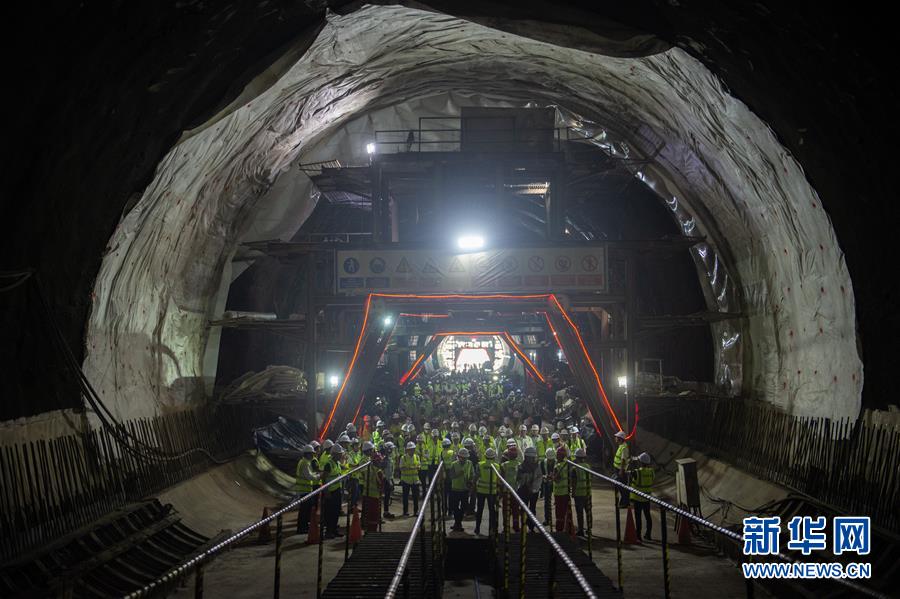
column 330, row 471
column 460, row 475
column 621, row 457
column 487, row 478
column 510, row 470
column 303, row 485
column 561, row 484
column 409, row 469
column 582, row 482
column 642, row 481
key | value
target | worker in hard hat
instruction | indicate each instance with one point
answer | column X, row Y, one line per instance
column 317, row 451
column 448, row 455
column 556, row 441
column 575, row 440
column 377, row 435
column 486, row 490
column 509, row 467
column 306, row 480
column 528, row 481
column 642, row 477
column 462, row 480
column 469, row 444
column 409, row 478
column 372, row 487
column 562, row 490
column 330, row 471
column 354, row 459
column 547, row 468
column 388, row 469
column 621, row 461
column 523, row 441
column 423, row 452
column 581, row 490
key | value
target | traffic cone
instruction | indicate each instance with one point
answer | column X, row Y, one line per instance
column 631, row 537
column 314, row 538
column 265, row 532
column 355, row 531
column 684, row 531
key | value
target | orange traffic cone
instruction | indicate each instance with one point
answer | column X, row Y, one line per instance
column 684, row 531
column 355, row 527
column 265, row 532
column 314, row 538
column 631, row 537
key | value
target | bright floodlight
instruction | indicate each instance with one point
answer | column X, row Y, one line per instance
column 333, row 380
column 370, row 148
column 623, row 381
column 388, row 320
column 470, row 242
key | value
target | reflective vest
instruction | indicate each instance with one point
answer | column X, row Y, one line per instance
column 621, row 458
column 642, row 480
column 354, row 458
column 510, row 470
column 582, row 482
column 448, row 455
column 487, row 478
column 303, row 485
column 330, row 471
column 409, row 469
column 423, row 453
column 376, row 438
column 561, row 483
column 372, row 481
column 460, row 475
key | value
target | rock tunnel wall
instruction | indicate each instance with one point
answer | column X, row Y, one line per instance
column 159, row 280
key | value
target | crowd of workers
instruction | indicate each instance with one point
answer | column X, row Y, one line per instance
column 477, row 428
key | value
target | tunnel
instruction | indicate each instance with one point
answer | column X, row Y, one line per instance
column 241, row 234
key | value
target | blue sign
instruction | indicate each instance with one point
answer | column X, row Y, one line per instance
column 377, row 265
column 351, row 265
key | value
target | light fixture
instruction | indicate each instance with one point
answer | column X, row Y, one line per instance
column 559, row 354
column 623, row 381
column 370, row 147
column 470, row 242
column 496, row 378
column 388, row 320
column 333, row 380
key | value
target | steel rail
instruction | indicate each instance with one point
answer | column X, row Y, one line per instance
column 417, row 525
column 197, row 561
column 715, row 527
column 579, row 577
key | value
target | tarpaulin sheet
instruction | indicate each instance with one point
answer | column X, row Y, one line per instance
column 772, row 252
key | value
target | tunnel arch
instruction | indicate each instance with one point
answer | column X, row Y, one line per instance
column 160, row 277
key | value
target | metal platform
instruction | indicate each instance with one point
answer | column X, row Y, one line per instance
column 371, row 567
column 537, row 564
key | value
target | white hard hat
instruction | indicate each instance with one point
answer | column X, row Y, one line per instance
column 435, row 432
column 530, row 451
column 535, row 428
column 426, row 426
column 344, row 438
column 410, row 445
column 644, row 458
column 483, row 430
column 467, row 441
column 554, row 437
column 446, row 442
column 550, row 454
column 564, row 431
column 337, row 450
column 463, row 452
column 351, row 427
column 389, row 445
column 574, row 429
column 545, row 431
column 315, row 444
column 620, row 434
column 523, row 428
column 308, row 449
column 454, row 425
column 490, row 453
column 328, row 444
column 368, row 446
column 380, row 423
column 511, row 443
column 580, row 453
column 472, row 427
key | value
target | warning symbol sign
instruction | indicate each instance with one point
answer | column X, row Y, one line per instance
column 563, row 263
column 536, row 264
column 403, row 266
column 456, row 265
column 589, row 263
column 429, row 266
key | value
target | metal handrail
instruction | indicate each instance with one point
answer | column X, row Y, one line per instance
column 579, row 577
column 715, row 527
column 407, row 550
column 201, row 558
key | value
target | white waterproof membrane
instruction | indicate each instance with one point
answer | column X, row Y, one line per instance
column 771, row 252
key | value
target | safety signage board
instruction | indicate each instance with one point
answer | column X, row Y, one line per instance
column 508, row 270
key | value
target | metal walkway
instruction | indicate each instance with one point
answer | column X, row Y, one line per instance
column 538, row 554
column 372, row 565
